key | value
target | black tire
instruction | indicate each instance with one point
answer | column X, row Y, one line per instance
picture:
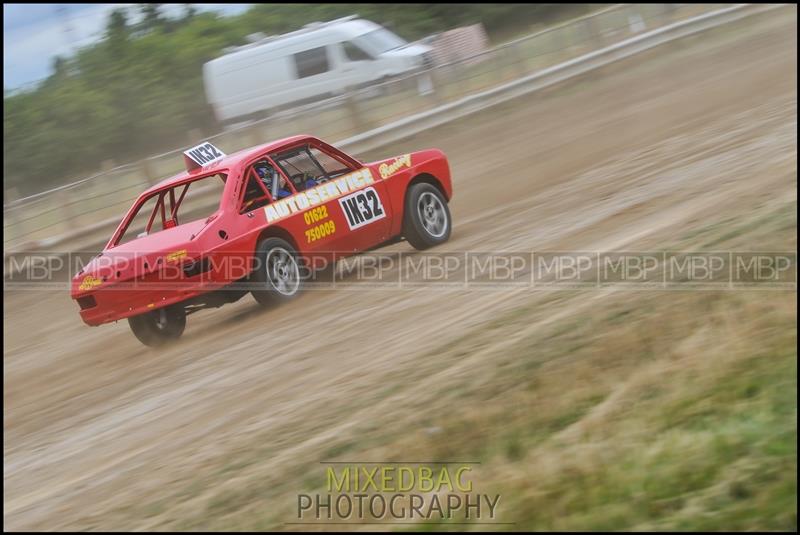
column 426, row 221
column 278, row 272
column 160, row 326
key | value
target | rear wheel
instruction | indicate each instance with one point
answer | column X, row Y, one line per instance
column 160, row 326
column 426, row 221
column 277, row 273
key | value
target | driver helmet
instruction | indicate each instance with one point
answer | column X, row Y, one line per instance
column 262, row 168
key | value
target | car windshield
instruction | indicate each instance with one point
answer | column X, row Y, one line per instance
column 379, row 41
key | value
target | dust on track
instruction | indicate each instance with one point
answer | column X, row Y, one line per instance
column 627, row 157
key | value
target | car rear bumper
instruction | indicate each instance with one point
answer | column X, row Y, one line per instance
column 123, row 300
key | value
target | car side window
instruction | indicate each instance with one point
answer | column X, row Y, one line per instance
column 331, row 165
column 254, row 195
column 138, row 224
column 311, row 62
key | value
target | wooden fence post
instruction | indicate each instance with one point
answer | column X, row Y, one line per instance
column 147, row 171
column 359, row 122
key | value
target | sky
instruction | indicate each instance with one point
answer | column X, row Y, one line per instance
column 34, row 34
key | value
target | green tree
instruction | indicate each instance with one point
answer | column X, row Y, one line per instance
column 151, row 14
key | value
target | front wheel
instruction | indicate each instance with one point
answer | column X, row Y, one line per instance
column 160, row 326
column 277, row 272
column 426, row 221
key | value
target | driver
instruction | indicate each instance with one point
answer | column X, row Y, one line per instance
column 268, row 175
column 273, row 182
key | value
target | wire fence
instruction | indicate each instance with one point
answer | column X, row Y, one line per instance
column 97, row 203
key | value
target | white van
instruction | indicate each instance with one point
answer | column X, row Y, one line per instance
column 320, row 60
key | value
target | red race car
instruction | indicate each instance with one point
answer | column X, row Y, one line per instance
column 257, row 221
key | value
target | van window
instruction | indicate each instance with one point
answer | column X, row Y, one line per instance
column 354, row 53
column 311, row 62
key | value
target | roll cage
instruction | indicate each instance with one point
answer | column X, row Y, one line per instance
column 166, row 209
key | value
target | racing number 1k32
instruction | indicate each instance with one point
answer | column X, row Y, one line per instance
column 362, row 207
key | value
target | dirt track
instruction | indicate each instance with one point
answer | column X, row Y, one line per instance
column 629, row 158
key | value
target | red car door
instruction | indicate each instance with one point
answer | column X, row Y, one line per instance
column 366, row 214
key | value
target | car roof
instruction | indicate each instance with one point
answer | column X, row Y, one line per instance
column 229, row 161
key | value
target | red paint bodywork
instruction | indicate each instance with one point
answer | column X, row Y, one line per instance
column 128, row 277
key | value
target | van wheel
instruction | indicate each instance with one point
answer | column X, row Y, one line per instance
column 277, row 272
column 159, row 327
column 426, row 221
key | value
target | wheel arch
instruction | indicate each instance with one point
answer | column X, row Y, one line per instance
column 419, row 178
column 276, row 232
column 428, row 179
column 408, row 228
column 265, row 234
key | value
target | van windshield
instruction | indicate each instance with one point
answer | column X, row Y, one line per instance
column 379, row 41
